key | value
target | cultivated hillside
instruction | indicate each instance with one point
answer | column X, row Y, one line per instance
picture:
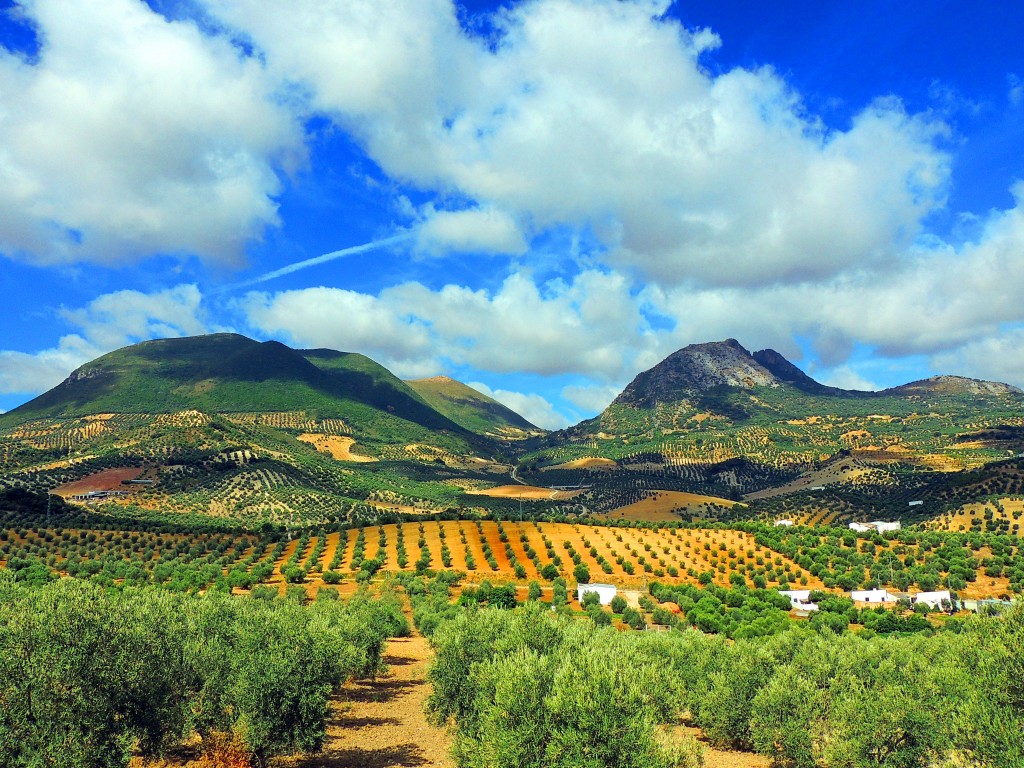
column 716, row 419
column 471, row 409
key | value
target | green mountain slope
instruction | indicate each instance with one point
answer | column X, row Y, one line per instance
column 469, row 408
column 228, row 373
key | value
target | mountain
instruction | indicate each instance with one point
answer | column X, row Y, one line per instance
column 702, row 368
column 470, row 408
column 229, row 373
column 716, row 419
column 787, row 373
column 695, row 369
column 225, row 426
column 952, row 385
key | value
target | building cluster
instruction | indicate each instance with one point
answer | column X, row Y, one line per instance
column 98, row 495
column 800, row 599
column 878, row 526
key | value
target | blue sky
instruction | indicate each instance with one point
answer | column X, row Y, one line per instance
column 560, row 193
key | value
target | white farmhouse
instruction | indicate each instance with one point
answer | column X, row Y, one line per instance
column 872, row 596
column 783, row 523
column 882, row 527
column 605, row 592
column 877, row 525
column 799, row 599
column 933, row 600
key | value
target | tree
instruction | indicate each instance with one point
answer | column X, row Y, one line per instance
column 582, row 574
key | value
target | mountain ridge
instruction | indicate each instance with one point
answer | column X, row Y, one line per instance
column 231, row 373
column 705, row 367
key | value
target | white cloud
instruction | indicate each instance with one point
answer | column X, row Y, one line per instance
column 845, row 377
column 476, row 230
column 592, row 399
column 133, row 135
column 598, row 114
column 592, row 325
column 1016, row 90
column 108, row 322
column 345, row 320
column 996, row 358
column 534, row 408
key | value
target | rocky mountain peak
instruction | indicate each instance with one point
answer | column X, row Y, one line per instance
column 698, row 368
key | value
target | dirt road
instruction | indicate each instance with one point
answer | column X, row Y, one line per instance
column 381, row 724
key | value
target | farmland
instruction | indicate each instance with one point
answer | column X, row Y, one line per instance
column 252, row 505
column 629, row 554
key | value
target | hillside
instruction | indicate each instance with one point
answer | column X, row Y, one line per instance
column 228, row 373
column 230, row 427
column 223, row 426
column 471, row 409
column 716, row 419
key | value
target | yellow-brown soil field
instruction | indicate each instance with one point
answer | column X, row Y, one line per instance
column 339, row 448
column 691, row 552
column 659, row 506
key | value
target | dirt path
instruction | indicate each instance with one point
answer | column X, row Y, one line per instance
column 381, row 724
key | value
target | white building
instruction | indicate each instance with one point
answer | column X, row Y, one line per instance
column 882, row 527
column 799, row 599
column 605, row 592
column 933, row 600
column 872, row 596
column 877, row 525
column 780, row 523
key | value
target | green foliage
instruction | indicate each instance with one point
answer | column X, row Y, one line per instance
column 88, row 674
column 528, row 688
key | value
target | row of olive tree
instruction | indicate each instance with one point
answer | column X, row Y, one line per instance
column 529, row 688
column 88, row 676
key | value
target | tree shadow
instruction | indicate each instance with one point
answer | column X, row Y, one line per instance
column 364, row 722
column 386, row 757
column 381, row 690
column 400, row 661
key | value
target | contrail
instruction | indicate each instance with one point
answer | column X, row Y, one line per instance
column 287, row 270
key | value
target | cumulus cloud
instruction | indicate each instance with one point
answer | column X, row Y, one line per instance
column 108, row 322
column 345, row 320
column 995, row 358
column 846, row 377
column 592, row 324
column 534, row 408
column 476, row 230
column 132, row 135
column 937, row 299
column 591, row 399
column 600, row 114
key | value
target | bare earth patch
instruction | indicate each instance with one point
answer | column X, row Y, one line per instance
column 659, row 506
column 586, row 462
column 339, row 448
column 524, row 492
column 107, row 480
column 719, row 758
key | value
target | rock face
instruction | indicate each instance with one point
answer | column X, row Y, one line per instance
column 697, row 368
column 787, row 373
